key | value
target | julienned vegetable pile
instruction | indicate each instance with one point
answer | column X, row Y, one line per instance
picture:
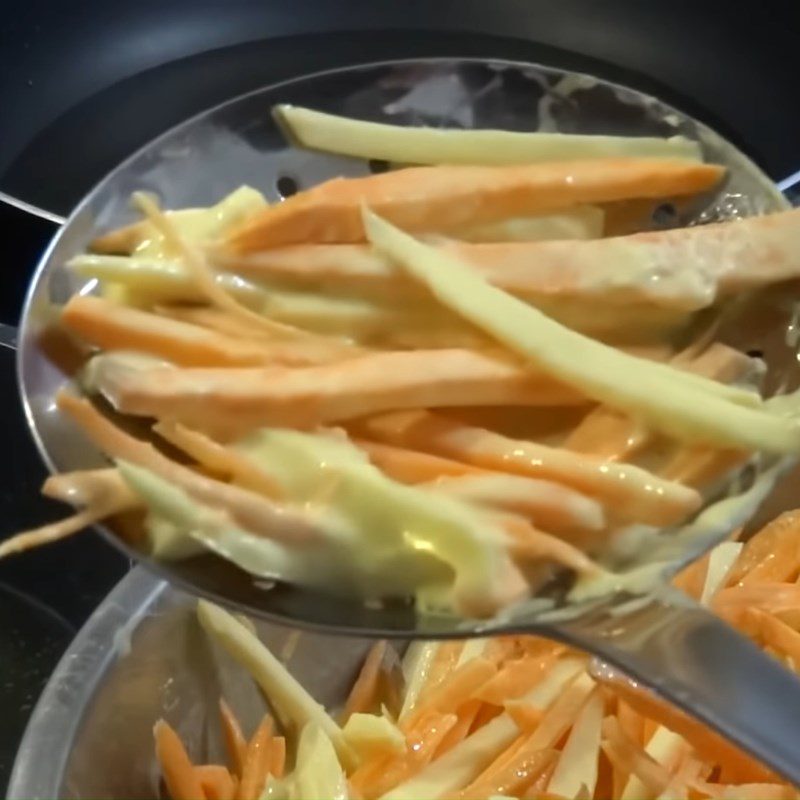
column 444, row 381
column 517, row 717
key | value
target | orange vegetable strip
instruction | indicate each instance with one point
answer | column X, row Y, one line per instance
column 759, row 791
column 762, row 250
column 376, row 778
column 631, row 722
column 216, row 781
column 769, row 596
column 257, row 761
column 364, row 694
column 176, row 767
column 515, row 678
column 528, row 764
column 412, row 466
column 777, row 634
column 235, row 743
column 448, row 197
column 611, row 434
column 444, row 662
column 640, row 494
column 195, row 262
column 459, row 685
column 772, row 555
column 555, row 721
column 254, row 512
column 309, row 396
column 277, row 763
column 276, row 351
column 710, row 746
column 111, row 326
column 630, row 758
column 529, row 542
column 692, row 579
column 466, row 718
column 699, row 466
column 526, row 716
column 102, row 491
column 217, row 457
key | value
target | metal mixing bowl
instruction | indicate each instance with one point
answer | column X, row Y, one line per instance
column 141, row 656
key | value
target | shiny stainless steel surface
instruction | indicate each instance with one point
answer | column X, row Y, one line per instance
column 142, row 656
column 237, row 143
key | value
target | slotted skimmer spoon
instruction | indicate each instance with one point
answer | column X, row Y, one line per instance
column 663, row 640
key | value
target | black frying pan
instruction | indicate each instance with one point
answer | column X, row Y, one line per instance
column 85, row 83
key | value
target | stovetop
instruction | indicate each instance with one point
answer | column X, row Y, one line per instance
column 45, row 596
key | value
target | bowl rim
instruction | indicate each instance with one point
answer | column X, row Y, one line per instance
column 45, row 747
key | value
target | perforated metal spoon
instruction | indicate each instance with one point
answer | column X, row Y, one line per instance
column 664, row 641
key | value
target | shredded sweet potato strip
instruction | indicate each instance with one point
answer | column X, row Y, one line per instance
column 641, row 494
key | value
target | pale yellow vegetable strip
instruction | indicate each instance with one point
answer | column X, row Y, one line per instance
column 370, row 321
column 557, row 719
column 291, row 701
column 195, row 263
column 611, row 434
column 460, row 765
column 720, row 563
column 416, row 665
column 422, row 145
column 636, row 493
column 665, row 398
column 162, row 280
column 664, row 747
column 578, row 763
column 550, row 345
column 309, row 396
column 199, row 224
column 205, row 279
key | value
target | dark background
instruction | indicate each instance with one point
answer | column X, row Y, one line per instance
column 82, row 84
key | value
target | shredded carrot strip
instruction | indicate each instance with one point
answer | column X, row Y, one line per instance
column 377, row 778
column 235, row 743
column 364, row 693
column 631, row 758
column 467, row 716
column 216, row 781
column 176, row 767
column 528, row 764
column 515, row 678
column 277, row 763
column 257, row 762
column 449, row 694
